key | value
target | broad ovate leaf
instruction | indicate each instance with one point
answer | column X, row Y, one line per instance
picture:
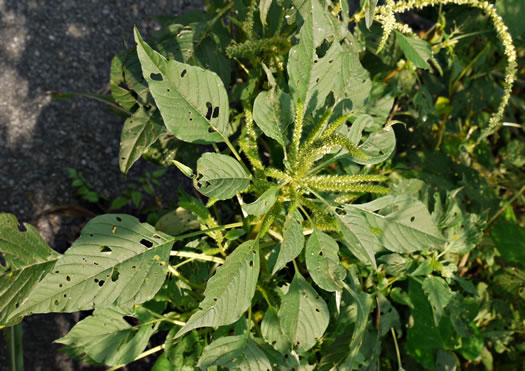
column 107, row 338
column 192, row 101
column 438, row 294
column 406, row 226
column 273, row 112
column 272, row 332
column 311, row 78
column 416, row 50
column 264, row 203
column 361, row 240
column 27, row 259
column 303, row 315
column 220, row 176
column 139, row 132
column 234, row 352
column 229, row 292
column 322, row 261
column 292, row 245
column 116, row 261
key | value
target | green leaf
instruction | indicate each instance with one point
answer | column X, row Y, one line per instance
column 107, row 338
column 229, row 292
column 407, row 225
column 378, row 147
column 272, row 332
column 369, row 8
column 191, row 100
column 312, row 78
column 509, row 239
column 27, row 260
column 292, row 245
column 358, row 236
column 177, row 222
column 139, row 132
column 438, row 294
column 116, row 261
column 264, row 203
column 416, row 50
column 234, row 352
column 220, row 176
column 303, row 315
column 273, row 112
column 322, row 261
column 389, row 316
column 264, row 7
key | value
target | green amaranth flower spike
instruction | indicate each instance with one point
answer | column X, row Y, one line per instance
column 300, row 180
column 385, row 14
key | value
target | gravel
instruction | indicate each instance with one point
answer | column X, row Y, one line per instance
column 62, row 46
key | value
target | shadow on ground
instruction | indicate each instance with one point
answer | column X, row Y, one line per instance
column 65, row 46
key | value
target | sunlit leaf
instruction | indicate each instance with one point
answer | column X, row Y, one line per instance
column 292, row 245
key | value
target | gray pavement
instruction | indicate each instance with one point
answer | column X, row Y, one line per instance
column 67, row 46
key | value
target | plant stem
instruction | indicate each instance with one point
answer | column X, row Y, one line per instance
column 15, row 350
column 192, row 255
column 140, row 356
column 400, row 366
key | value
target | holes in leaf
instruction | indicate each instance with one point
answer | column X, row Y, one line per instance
column 115, row 275
column 321, row 253
column 119, row 219
column 251, row 263
column 146, row 243
column 114, row 229
column 317, row 310
column 210, row 110
column 215, row 112
column 214, row 299
column 156, row 76
column 105, row 250
column 132, row 321
column 68, row 279
column 101, row 283
column 183, row 73
column 156, row 236
column 22, row 227
column 65, row 295
column 60, row 285
column 57, row 302
column 57, row 272
column 412, row 219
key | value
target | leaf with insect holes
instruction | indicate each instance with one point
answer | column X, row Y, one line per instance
column 311, row 78
column 406, row 226
column 234, row 352
column 322, row 261
column 27, row 259
column 264, row 203
column 417, row 51
column 303, row 315
column 192, row 101
column 272, row 332
column 292, row 245
column 220, row 176
column 116, row 261
column 357, row 235
column 229, row 292
column 139, row 132
column 107, row 338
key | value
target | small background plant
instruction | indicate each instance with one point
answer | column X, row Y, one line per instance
column 350, row 209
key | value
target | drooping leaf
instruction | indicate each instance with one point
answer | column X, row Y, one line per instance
column 273, row 112
column 369, row 8
column 264, row 7
column 139, row 132
column 116, row 261
column 177, row 222
column 234, row 352
column 303, row 315
column 358, row 236
column 292, row 245
column 127, row 86
column 229, row 292
column 322, row 261
column 263, row 204
column 192, row 101
column 27, row 260
column 378, row 147
column 272, row 332
column 416, row 50
column 406, row 226
column 220, row 176
column 107, row 338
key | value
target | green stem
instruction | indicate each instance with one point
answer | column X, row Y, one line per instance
column 140, row 356
column 507, row 204
column 192, row 255
column 15, row 350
